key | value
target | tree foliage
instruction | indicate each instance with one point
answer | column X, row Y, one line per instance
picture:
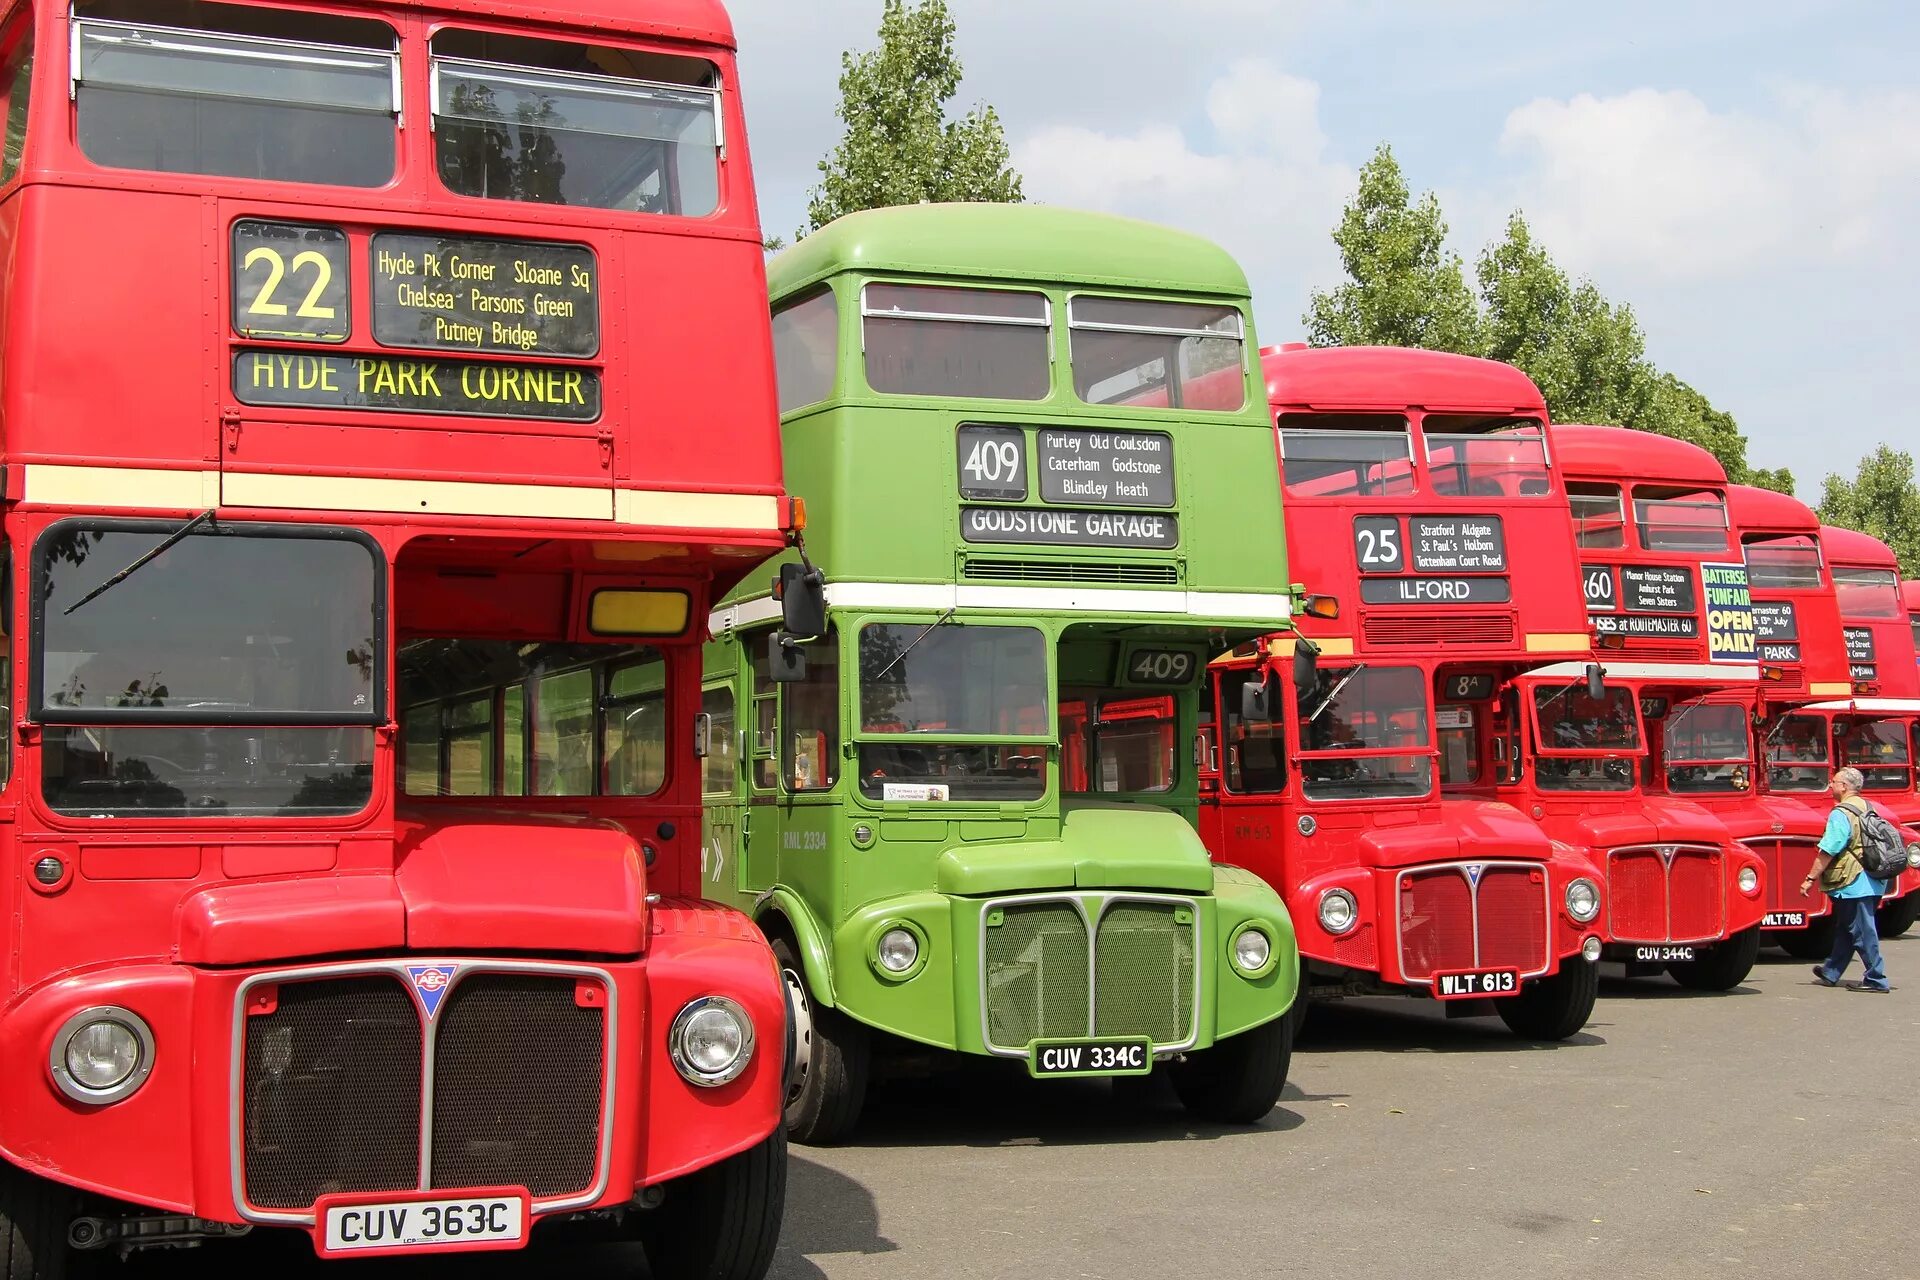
column 1405, row 288
column 899, row 146
column 1881, row 499
column 1587, row 354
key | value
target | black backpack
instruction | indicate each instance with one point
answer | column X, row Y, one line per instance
column 1882, row 852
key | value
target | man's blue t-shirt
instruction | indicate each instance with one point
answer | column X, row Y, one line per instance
column 1838, row 836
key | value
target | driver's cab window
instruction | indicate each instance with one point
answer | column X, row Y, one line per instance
column 810, row 720
column 634, row 729
column 720, row 769
column 1254, row 755
column 1127, row 741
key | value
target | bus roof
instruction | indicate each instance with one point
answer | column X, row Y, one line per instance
column 1029, row 242
column 1621, row 453
column 1753, row 508
column 1850, row 546
column 1394, row 377
column 1910, row 595
column 704, row 21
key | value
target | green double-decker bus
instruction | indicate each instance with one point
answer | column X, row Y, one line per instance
column 1044, row 495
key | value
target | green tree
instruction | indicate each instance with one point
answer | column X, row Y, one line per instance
column 1882, row 500
column 1588, row 355
column 1405, row 288
column 899, row 146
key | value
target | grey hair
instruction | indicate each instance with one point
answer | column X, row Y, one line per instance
column 1850, row 778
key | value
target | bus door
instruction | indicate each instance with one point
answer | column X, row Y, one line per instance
column 723, row 783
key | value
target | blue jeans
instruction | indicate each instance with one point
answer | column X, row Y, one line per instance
column 1854, row 929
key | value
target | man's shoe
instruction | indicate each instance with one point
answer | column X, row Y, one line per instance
column 1861, row 986
column 1820, row 976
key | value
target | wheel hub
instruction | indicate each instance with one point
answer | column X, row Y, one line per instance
column 800, row 1053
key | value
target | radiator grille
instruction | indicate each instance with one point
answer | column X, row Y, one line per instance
column 1048, row 978
column 1699, row 887
column 332, row 1101
column 1637, row 896
column 1438, row 629
column 1652, row 900
column 516, row 1090
column 1447, row 923
column 333, row 1082
column 1144, row 975
column 1788, row 862
column 1007, row 570
column 1038, row 974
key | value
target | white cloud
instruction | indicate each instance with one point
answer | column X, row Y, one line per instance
column 1263, row 184
column 1657, row 185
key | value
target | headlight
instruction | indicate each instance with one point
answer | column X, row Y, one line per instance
column 711, row 1041
column 1252, row 949
column 1583, row 900
column 102, row 1055
column 1913, row 857
column 1749, row 880
column 1338, row 911
column 899, row 950
column 1591, row 950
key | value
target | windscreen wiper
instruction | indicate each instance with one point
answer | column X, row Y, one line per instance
column 205, row 517
column 899, row 657
column 1334, row 692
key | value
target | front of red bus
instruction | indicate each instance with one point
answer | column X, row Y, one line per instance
column 352, row 822
column 1670, row 602
column 1875, row 725
column 1423, row 511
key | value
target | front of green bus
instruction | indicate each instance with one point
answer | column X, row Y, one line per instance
column 1043, row 497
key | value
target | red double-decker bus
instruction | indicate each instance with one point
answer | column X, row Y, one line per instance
column 1424, row 505
column 1875, row 727
column 1667, row 590
column 370, row 463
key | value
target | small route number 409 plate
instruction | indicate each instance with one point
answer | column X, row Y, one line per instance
column 360, row 1227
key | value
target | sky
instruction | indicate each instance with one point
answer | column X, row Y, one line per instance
column 1745, row 175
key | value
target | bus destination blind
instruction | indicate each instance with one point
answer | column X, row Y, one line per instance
column 509, row 297
column 469, row 388
column 1105, row 468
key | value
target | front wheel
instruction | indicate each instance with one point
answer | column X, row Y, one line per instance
column 1896, row 917
column 827, row 1086
column 34, row 1217
column 1723, row 967
column 723, row 1222
column 1555, row 1007
column 1239, row 1079
column 1815, row 942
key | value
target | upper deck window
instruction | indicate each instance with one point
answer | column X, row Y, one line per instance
column 1180, row 355
column 16, row 83
column 1345, row 455
column 805, row 345
column 552, row 122
column 932, row 340
column 1680, row 519
column 1599, row 515
column 1479, row 456
column 1789, row 562
column 1868, row 593
column 233, row 92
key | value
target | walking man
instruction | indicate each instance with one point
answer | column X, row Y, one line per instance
column 1855, row 894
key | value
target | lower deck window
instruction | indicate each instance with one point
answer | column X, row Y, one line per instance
column 174, row 771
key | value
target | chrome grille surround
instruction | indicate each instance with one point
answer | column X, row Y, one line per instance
column 1091, row 923
column 396, row 970
column 1461, row 866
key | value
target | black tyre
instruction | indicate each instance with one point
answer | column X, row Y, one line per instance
column 34, row 1217
column 723, row 1222
column 1815, row 942
column 1553, row 1008
column 828, row 1084
column 1239, row 1079
column 1724, row 966
column 1896, row 917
